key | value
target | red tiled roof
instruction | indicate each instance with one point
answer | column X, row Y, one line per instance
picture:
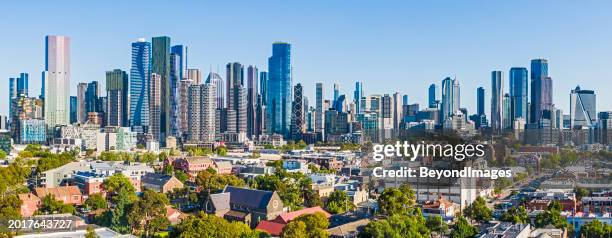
column 271, row 227
column 286, row 217
column 58, row 192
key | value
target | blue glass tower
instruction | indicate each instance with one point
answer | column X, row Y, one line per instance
column 181, row 53
column 357, row 96
column 541, row 91
column 433, row 95
column 140, row 74
column 263, row 86
column 518, row 93
column 279, row 89
column 480, row 101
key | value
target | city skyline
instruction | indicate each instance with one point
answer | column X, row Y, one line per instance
column 566, row 71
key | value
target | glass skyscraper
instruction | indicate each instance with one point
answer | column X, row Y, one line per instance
column 433, row 95
column 497, row 90
column 357, row 96
column 518, row 93
column 140, row 77
column 541, row 91
column 583, row 108
column 181, row 53
column 160, row 65
column 279, row 89
column 480, row 101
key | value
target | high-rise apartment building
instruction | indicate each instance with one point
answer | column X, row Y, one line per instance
column 237, row 99
column 252, row 92
column 319, row 116
column 140, row 78
column 117, row 96
column 155, row 106
column 450, row 97
column 56, row 80
column 201, row 115
column 541, row 91
column 297, row 115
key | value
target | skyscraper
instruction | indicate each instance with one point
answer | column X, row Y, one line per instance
column 92, row 98
column 480, row 101
column 237, row 99
column 73, row 109
column 263, row 86
column 175, row 100
column 450, row 97
column 155, row 106
column 518, row 93
column 336, row 93
column 214, row 78
column 201, row 118
column 357, row 96
column 181, row 57
column 319, row 116
column 583, row 108
column 117, row 96
column 160, row 65
column 506, row 115
column 195, row 76
column 56, row 79
column 252, row 92
column 140, row 77
column 81, row 105
column 541, row 91
column 279, row 91
column 497, row 92
column 297, row 115
column 18, row 87
column 433, row 95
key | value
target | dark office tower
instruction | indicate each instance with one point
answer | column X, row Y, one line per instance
column 160, row 65
column 404, row 100
column 279, row 91
column 433, row 95
column 140, row 78
column 297, row 114
column 336, row 93
column 214, row 78
column 497, row 94
column 263, row 86
column 175, row 99
column 184, row 105
column 541, row 91
column 480, row 101
column 181, row 56
column 260, row 117
column 117, row 96
column 357, row 96
column 73, row 109
column 518, row 93
column 92, row 100
column 252, row 80
column 237, row 99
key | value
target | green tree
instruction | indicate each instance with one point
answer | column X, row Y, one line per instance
column 2, row 154
column 436, row 224
column 204, row 225
column 552, row 216
column 91, row 233
column 50, row 205
column 581, row 192
column 116, row 181
column 596, row 229
column 308, row 225
column 148, row 214
column 515, row 215
column 213, row 182
column 10, row 206
column 478, row 210
column 311, row 198
column 396, row 200
column 398, row 225
column 222, row 151
column 181, row 176
column 338, row 202
column 96, row 201
column 463, row 229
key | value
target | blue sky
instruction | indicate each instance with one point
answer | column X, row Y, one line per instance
column 388, row 45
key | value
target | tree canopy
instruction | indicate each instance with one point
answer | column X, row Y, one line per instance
column 308, row 225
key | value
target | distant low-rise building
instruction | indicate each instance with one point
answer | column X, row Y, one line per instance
column 160, row 182
column 66, row 194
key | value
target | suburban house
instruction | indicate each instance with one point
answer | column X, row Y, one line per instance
column 160, row 182
column 246, row 205
column 223, row 167
column 275, row 227
column 66, row 194
column 29, row 204
column 441, row 207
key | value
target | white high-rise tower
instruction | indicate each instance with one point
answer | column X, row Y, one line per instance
column 56, row 80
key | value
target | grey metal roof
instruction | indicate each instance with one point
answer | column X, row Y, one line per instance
column 249, row 197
